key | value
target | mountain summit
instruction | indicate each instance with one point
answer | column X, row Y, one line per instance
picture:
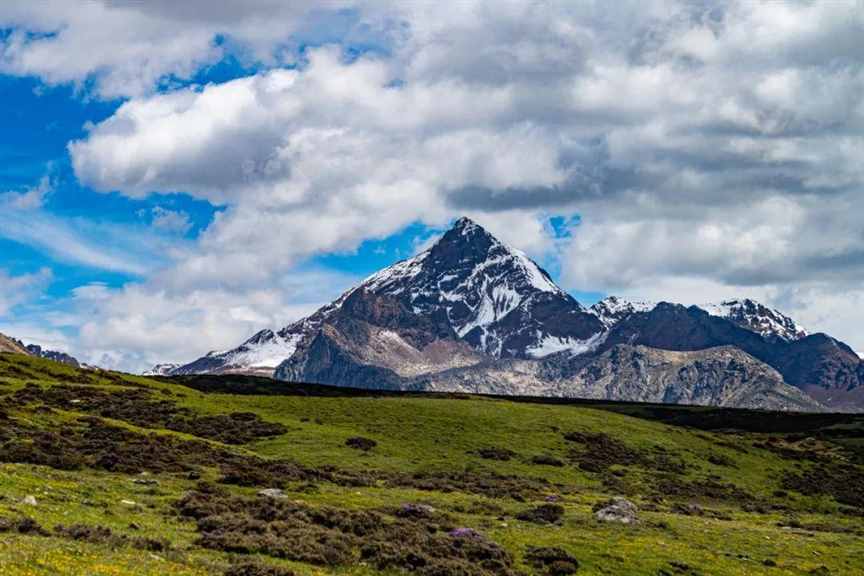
column 467, row 287
column 473, row 314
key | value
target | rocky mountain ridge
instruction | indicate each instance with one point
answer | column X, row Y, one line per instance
column 471, row 313
column 15, row 346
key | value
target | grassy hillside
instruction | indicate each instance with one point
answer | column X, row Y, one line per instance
column 106, row 474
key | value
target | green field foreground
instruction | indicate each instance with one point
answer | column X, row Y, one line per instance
column 106, row 474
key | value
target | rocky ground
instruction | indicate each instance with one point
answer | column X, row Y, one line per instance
column 104, row 473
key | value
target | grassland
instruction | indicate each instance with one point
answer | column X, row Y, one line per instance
column 133, row 475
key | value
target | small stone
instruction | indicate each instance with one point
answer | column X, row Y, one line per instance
column 272, row 493
column 128, row 503
column 618, row 510
column 30, row 500
column 145, row 481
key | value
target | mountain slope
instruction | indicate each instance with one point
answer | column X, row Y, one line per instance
column 12, row 346
column 468, row 286
column 724, row 376
column 464, row 485
column 471, row 313
column 821, row 366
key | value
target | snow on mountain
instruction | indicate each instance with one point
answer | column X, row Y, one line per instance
column 472, row 288
column 548, row 345
column 746, row 313
column 613, row 309
column 469, row 284
column 478, row 282
column 265, row 349
column 757, row 317
column 161, row 370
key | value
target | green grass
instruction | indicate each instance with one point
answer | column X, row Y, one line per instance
column 435, row 434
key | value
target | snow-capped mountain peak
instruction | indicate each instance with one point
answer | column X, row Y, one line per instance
column 468, row 286
column 613, row 309
column 161, row 370
column 768, row 322
column 478, row 282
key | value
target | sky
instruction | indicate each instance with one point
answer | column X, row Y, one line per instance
column 175, row 176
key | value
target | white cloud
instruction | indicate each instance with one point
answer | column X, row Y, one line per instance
column 128, row 48
column 171, row 221
column 134, row 327
column 29, row 199
column 15, row 290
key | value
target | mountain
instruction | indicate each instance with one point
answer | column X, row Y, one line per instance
column 11, row 345
column 15, row 346
column 613, row 309
column 746, row 313
column 468, row 287
column 473, row 314
column 62, row 357
column 819, row 365
column 722, row 376
column 161, row 369
column 754, row 316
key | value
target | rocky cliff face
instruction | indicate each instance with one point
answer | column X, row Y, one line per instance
column 11, row 345
column 723, row 376
column 62, row 357
column 15, row 346
column 821, row 366
column 473, row 314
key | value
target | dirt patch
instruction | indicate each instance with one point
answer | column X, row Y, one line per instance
column 599, row 452
column 104, row 535
column 23, row 525
column 844, row 483
column 90, row 443
column 719, row 459
column 543, row 514
column 140, row 407
column 328, row 536
column 489, row 484
column 551, row 561
column 494, row 453
column 709, row 489
column 256, row 569
column 361, row 443
column 547, row 460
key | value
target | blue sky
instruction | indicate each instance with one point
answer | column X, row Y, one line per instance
column 176, row 176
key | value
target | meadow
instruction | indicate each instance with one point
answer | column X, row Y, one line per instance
column 103, row 473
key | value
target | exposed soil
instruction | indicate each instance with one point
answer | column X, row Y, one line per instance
column 551, row 561
column 361, row 443
column 598, row 452
column 493, row 453
column 256, row 569
column 547, row 460
column 844, row 483
column 543, row 514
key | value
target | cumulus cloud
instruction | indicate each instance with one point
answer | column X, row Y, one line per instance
column 171, row 221
column 137, row 326
column 18, row 289
column 29, row 199
column 125, row 48
column 711, row 146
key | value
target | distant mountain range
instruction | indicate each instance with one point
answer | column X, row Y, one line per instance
column 475, row 315
column 14, row 346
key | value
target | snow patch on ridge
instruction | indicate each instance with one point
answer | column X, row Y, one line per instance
column 548, row 345
column 757, row 317
column 266, row 352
